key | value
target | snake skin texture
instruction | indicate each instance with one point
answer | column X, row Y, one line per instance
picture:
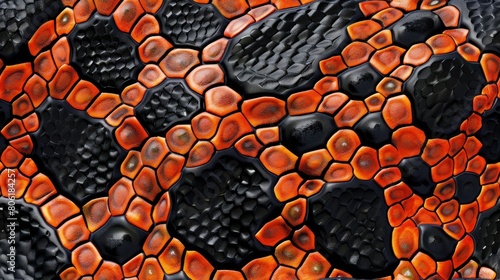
column 249, row 139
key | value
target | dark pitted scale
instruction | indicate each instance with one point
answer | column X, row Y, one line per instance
column 416, row 173
column 436, row 242
column 416, row 27
column 468, row 187
column 489, row 135
column 360, row 82
column 373, row 130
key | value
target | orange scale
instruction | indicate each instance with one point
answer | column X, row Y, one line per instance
column 448, row 211
column 139, row 214
column 469, row 52
column 37, row 90
column 268, row 135
column 365, row 163
column 468, row 215
column 397, row 193
column 435, row 150
column 387, row 59
column 126, row 14
column 486, row 273
column 371, row 7
column 479, row 103
column 303, row 102
column 284, row 4
column 63, row 81
column 294, row 212
column 418, row 54
column 388, row 176
column 381, row 39
column 463, row 251
column 403, row 72
column 228, row 275
column 431, row 203
column 488, row 196
column 28, row 167
column 109, row 271
column 357, row 53
column 231, row 9
column 151, row 6
column 205, row 125
column 332, row 65
column 205, row 76
column 70, row 274
column 106, row 7
column 408, row 140
column 455, row 229
column 396, row 215
column 389, row 86
column 43, row 37
column 156, row 240
column 261, row 268
column 472, row 146
column 83, row 10
column 151, row 76
column 407, row 5
column 456, row 144
column 178, row 62
column 351, row 113
column 230, row 130
column 432, row 4
column 287, row 254
column 337, row 273
column 263, row 110
column 315, row 266
column 222, row 100
column 132, row 164
column 311, row 187
column 40, row 190
column 491, row 66
column 248, row 146
column 151, row 270
column 491, row 174
column 363, row 29
column 445, row 190
column 119, row 114
column 397, row 111
column 103, row 105
column 326, row 85
column 130, row 134
column 171, row 257
column 73, row 232
column 214, row 51
column 459, row 35
column 65, row 22
column 443, row 170
column 375, row 102
column 162, row 209
column 60, row 52
column 424, row 216
column 253, row 3
column 343, row 144
column 31, row 122
column 314, row 163
column 278, row 159
column 14, row 128
column 146, row 185
column 153, row 49
column 169, row 170
column 82, row 95
column 12, row 79
column 441, row 44
column 262, row 12
column 332, row 102
column 147, row 25
column 474, row 124
column 491, row 92
column 44, row 65
column 449, row 15
column 58, row 210
column 469, row 270
column 287, row 187
column 21, row 183
column 153, row 151
column 388, row 16
column 236, row 26
column 86, row 258
column 96, row 213
column 133, row 94
column 406, row 271
column 200, row 154
column 412, row 204
column 284, row 273
column 339, row 172
column 24, row 145
column 388, row 156
column 304, row 238
column 273, row 232
column 424, row 265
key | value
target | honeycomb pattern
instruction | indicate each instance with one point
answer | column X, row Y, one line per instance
column 486, row 234
column 488, row 134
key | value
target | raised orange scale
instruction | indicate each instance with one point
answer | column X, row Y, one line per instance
column 490, row 64
column 463, row 251
column 261, row 268
column 171, row 257
column 151, row 76
column 37, row 90
column 388, row 16
column 58, row 210
column 263, row 110
column 332, row 103
column 156, row 240
column 180, row 139
column 109, row 270
column 151, row 270
column 469, row 52
column 432, row 4
column 145, row 184
column 215, row 50
column 476, row 165
column 403, row 72
column 311, row 187
column 397, row 111
column 248, row 146
column 273, row 232
column 268, row 135
column 369, row 8
column 339, row 172
column 381, row 40
column 65, row 22
column 490, row 174
column 96, row 213
column 407, row 5
column 315, row 266
column 64, row 79
column 387, row 59
column 178, row 62
column 43, row 37
column 365, row 163
column 196, row 266
column 425, row 216
column 132, row 164
column 303, row 102
column 228, row 275
column 139, row 214
column 12, row 79
column 60, row 52
column 424, row 265
column 468, row 215
column 230, row 130
column 486, row 273
column 120, row 195
column 363, row 29
column 287, row 186
column 357, row 53
column 337, row 273
column 262, row 12
column 162, row 209
column 86, row 258
column 314, row 163
column 343, row 144
column 396, row 215
column 147, row 25
column 222, row 100
column 40, row 189
column 406, row 271
column 287, row 254
column 278, row 159
column 22, row 106
column 397, row 193
column 169, row 170
column 83, row 10
column 435, row 150
column 448, row 211
column 82, row 95
column 205, row 76
column 388, row 156
column 408, row 141
column 332, row 65
column 31, row 122
column 412, row 204
column 388, row 176
column 326, row 85
column 459, row 162
column 431, row 203
column 28, row 168
column 73, row 232
column 130, row 134
column 119, row 114
column 350, row 114
column 304, row 238
column 153, row 48
column 236, row 26
column 294, row 212
column 450, row 16
column 441, row 44
column 127, row 14
column 284, row 4
column 417, row 54
column 284, row 273
column 231, row 9
column 205, row 125
column 153, row 151
column 469, row 270
column 21, row 183
column 200, row 154
column 44, row 65
column 14, row 128
column 132, row 267
column 455, row 229
column 405, row 240
column 472, row 146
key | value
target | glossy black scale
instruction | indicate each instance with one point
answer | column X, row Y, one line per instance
column 301, row 134
column 39, row 254
column 19, row 20
column 487, row 238
column 360, row 82
column 489, row 134
column 81, row 155
column 103, row 54
column 441, row 91
column 416, row 173
column 373, row 131
column 5, row 117
column 350, row 223
column 468, row 187
column 416, row 27
column 166, row 104
column 118, row 240
column 281, row 53
column 218, row 208
column 436, row 242
column 190, row 24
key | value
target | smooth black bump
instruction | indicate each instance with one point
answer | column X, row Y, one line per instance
column 436, row 242
column 468, row 187
column 416, row 27
column 360, row 82
column 373, row 130
column 416, row 173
